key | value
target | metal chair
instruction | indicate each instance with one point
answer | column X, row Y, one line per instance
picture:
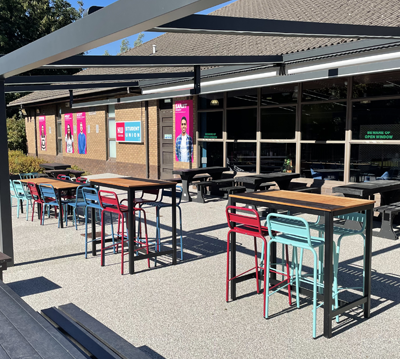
column 247, row 222
column 49, row 198
column 28, row 175
column 36, row 198
column 81, row 180
column 12, row 192
column 110, row 204
column 295, row 232
column 79, row 203
column 167, row 193
column 22, row 194
column 64, row 177
column 92, row 200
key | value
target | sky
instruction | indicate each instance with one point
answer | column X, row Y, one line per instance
column 114, row 47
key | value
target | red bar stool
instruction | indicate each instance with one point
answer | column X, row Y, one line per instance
column 247, row 222
column 109, row 202
column 36, row 197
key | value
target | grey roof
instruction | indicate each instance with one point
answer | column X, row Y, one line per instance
column 358, row 12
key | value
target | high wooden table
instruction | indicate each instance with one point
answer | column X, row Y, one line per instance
column 58, row 185
column 187, row 177
column 321, row 205
column 131, row 184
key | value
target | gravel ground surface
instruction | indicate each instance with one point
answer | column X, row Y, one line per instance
column 180, row 311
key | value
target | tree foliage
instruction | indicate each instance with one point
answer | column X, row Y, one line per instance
column 124, row 46
column 16, row 136
column 139, row 40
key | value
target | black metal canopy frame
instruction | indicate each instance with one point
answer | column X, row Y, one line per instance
column 59, row 50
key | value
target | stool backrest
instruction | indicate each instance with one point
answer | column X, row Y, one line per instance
column 168, row 193
column 19, row 188
column 291, row 225
column 47, row 191
column 109, row 199
column 28, row 175
column 81, row 180
column 12, row 189
column 34, row 191
column 356, row 217
column 153, row 192
column 91, row 196
column 64, row 177
column 248, row 217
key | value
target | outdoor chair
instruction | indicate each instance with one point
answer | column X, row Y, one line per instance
column 36, row 198
column 22, row 194
column 295, row 232
column 78, row 203
column 110, row 204
column 247, row 222
column 81, row 180
column 92, row 200
column 12, row 192
column 49, row 198
column 167, row 193
column 28, row 175
column 64, row 177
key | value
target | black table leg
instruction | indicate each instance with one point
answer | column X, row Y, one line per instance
column 233, row 258
column 173, row 209
column 283, row 185
column 131, row 230
column 60, row 210
column 367, row 263
column 328, row 275
column 93, row 221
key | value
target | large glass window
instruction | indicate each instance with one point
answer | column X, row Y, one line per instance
column 242, row 98
column 383, row 84
column 112, row 143
column 324, row 121
column 375, row 161
column 376, row 120
column 325, row 90
column 210, row 124
column 211, row 154
column 278, row 94
column 278, row 157
column 243, row 155
column 322, row 156
column 211, row 101
column 278, row 122
column 242, row 124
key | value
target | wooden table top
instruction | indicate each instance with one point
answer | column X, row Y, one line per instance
column 57, row 184
column 305, row 200
column 126, row 182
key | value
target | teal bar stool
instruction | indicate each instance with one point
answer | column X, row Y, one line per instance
column 295, row 232
column 22, row 194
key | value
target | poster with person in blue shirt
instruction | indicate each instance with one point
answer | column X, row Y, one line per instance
column 81, row 121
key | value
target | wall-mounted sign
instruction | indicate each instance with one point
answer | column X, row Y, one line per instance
column 81, row 123
column 69, row 136
column 168, row 136
column 184, row 131
column 130, row 131
column 42, row 131
column 380, row 132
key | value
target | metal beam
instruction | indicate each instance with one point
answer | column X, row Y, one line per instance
column 225, row 25
column 6, row 235
column 118, row 20
column 164, row 61
column 31, row 88
column 49, row 79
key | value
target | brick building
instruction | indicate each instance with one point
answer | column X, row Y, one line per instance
column 315, row 112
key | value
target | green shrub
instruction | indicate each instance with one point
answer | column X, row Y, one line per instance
column 16, row 135
column 21, row 163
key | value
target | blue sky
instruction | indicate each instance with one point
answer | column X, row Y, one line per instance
column 113, row 48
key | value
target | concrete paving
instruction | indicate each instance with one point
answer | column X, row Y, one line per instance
column 180, row 311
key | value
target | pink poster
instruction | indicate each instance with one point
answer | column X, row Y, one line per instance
column 81, row 124
column 42, row 129
column 69, row 132
column 184, row 131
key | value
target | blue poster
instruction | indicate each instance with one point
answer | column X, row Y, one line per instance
column 129, row 131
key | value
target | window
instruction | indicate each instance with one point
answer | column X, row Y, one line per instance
column 112, row 143
column 242, row 124
column 211, row 101
column 376, row 120
column 376, row 85
column 278, row 123
column 278, row 157
column 59, row 134
column 243, row 155
column 210, row 124
column 325, row 90
column 324, row 121
column 242, row 98
column 278, row 94
column 211, row 154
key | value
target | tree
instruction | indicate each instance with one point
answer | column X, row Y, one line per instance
column 106, row 53
column 24, row 21
column 139, row 40
column 124, row 46
column 16, row 135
